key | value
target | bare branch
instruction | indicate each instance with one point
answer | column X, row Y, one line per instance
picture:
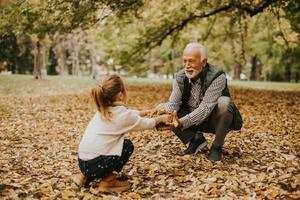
column 257, row 9
column 151, row 44
column 145, row 44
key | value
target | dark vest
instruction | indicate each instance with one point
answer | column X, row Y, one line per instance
column 207, row 76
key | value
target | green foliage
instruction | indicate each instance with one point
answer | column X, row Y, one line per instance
column 276, row 73
column 150, row 35
column 9, row 50
column 52, row 63
column 233, row 32
column 293, row 14
column 49, row 16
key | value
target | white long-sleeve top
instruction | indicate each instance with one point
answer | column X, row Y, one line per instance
column 103, row 137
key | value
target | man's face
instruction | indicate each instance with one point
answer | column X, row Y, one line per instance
column 191, row 61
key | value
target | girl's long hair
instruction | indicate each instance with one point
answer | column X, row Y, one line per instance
column 105, row 94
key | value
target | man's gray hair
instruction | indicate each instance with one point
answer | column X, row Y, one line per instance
column 200, row 47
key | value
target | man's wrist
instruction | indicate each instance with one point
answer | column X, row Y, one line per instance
column 180, row 123
column 185, row 122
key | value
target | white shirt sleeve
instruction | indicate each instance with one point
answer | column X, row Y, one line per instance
column 130, row 120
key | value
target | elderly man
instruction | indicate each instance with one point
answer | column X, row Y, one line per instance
column 202, row 101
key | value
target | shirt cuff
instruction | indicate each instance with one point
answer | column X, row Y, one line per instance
column 166, row 107
column 150, row 122
column 185, row 122
column 137, row 112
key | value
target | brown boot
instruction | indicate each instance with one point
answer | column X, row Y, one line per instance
column 79, row 179
column 111, row 184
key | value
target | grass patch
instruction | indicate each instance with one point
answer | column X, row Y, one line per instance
column 21, row 85
column 266, row 85
column 27, row 85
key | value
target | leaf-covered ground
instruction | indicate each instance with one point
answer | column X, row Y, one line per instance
column 39, row 137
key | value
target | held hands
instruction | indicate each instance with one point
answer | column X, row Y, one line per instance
column 164, row 120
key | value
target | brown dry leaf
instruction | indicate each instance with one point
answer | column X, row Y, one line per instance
column 39, row 137
column 134, row 195
column 179, row 173
column 67, row 194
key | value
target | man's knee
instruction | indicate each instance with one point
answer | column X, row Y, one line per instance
column 224, row 104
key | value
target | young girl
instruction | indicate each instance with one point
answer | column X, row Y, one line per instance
column 103, row 149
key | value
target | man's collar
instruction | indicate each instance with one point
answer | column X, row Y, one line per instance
column 195, row 82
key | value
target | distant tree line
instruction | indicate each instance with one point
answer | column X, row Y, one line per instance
column 258, row 38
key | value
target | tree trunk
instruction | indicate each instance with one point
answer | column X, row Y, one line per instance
column 38, row 61
column 75, row 48
column 253, row 75
column 60, row 53
column 45, row 53
column 63, row 70
column 288, row 72
column 237, row 72
column 259, row 70
column 93, row 62
column 75, row 61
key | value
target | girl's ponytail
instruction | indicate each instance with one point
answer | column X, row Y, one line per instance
column 105, row 94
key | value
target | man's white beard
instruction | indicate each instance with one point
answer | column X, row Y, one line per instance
column 192, row 73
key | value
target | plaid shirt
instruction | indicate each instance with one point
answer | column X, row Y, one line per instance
column 200, row 106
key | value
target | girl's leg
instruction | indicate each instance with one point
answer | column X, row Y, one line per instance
column 110, row 183
column 103, row 166
column 126, row 153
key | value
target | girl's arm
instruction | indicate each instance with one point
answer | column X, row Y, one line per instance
column 144, row 113
column 147, row 113
column 134, row 122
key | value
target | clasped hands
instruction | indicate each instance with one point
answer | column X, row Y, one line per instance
column 163, row 119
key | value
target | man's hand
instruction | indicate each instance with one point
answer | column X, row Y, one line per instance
column 176, row 121
column 163, row 119
column 171, row 123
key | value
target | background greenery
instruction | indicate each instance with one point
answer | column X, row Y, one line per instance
column 258, row 38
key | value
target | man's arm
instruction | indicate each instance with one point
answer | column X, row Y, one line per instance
column 174, row 101
column 208, row 103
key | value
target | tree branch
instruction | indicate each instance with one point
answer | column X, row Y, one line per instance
column 146, row 43
column 258, row 9
column 178, row 27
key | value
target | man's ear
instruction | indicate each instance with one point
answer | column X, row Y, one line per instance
column 204, row 61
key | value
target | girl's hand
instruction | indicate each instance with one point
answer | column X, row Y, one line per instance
column 144, row 113
column 168, row 123
column 151, row 113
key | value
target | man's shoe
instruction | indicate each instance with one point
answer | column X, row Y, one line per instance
column 216, row 153
column 195, row 146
